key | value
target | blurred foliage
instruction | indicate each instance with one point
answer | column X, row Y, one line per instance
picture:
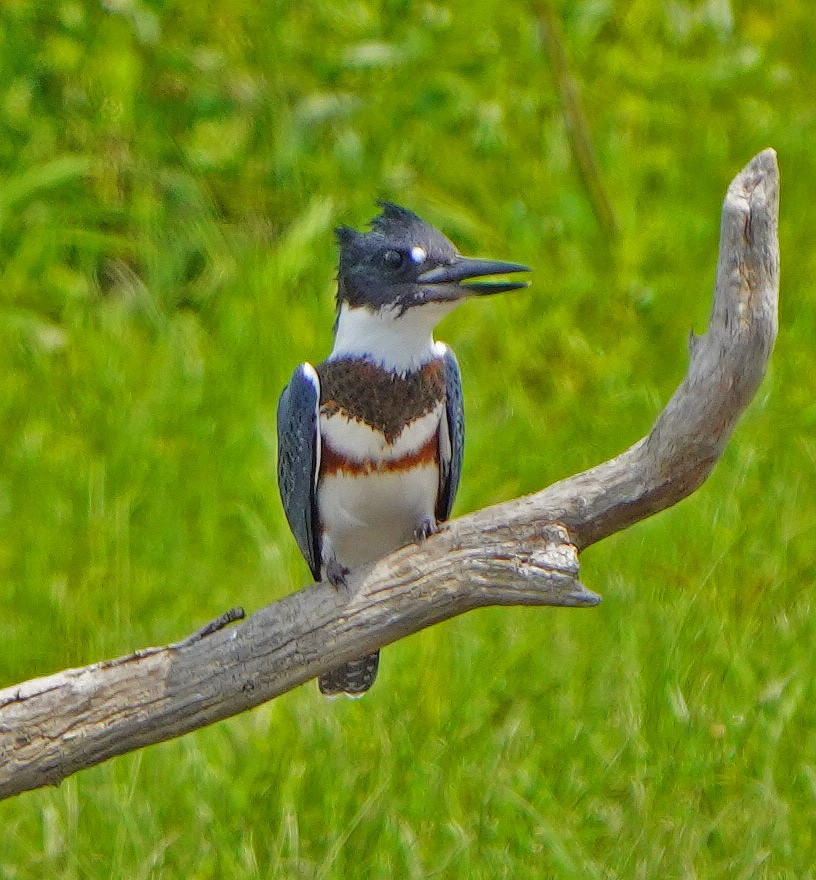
column 170, row 174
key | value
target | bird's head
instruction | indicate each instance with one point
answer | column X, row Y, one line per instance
column 404, row 263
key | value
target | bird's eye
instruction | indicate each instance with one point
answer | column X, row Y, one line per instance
column 393, row 259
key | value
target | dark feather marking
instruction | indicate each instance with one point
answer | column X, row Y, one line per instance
column 386, row 401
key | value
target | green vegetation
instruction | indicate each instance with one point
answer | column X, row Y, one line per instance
column 170, row 173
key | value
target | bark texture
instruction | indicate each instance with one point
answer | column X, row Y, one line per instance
column 522, row 552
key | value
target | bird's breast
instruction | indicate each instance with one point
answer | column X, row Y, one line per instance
column 354, row 446
column 372, row 494
column 379, row 460
column 383, row 400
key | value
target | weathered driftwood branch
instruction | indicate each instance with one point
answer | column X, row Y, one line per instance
column 523, row 552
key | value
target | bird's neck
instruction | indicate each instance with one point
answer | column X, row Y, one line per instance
column 398, row 342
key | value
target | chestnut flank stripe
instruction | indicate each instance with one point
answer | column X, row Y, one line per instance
column 333, row 462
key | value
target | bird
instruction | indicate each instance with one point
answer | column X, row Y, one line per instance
column 370, row 440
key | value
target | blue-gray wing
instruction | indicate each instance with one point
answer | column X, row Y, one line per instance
column 299, row 460
column 451, row 436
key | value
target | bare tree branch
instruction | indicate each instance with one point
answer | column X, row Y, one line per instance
column 523, row 552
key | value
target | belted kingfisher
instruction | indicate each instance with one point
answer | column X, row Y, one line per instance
column 370, row 440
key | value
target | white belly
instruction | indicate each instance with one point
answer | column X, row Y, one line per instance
column 366, row 517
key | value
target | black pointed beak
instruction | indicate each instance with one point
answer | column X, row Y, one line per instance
column 446, row 283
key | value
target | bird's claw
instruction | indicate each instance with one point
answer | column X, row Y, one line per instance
column 336, row 573
column 424, row 530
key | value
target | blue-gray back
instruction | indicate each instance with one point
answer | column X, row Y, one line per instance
column 450, row 468
column 299, row 460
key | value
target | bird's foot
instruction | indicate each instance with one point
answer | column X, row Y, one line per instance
column 336, row 573
column 424, row 530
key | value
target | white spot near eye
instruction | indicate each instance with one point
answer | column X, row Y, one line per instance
column 418, row 254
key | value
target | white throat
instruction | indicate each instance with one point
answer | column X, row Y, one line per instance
column 399, row 342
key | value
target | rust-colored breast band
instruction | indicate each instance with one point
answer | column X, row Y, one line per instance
column 334, row 462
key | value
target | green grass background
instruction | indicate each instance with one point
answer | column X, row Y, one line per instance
column 170, row 174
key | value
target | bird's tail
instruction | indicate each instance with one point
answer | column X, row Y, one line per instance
column 352, row 679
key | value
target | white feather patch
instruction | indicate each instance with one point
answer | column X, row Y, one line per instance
column 440, row 349
column 359, row 441
column 311, row 374
column 397, row 341
column 367, row 517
